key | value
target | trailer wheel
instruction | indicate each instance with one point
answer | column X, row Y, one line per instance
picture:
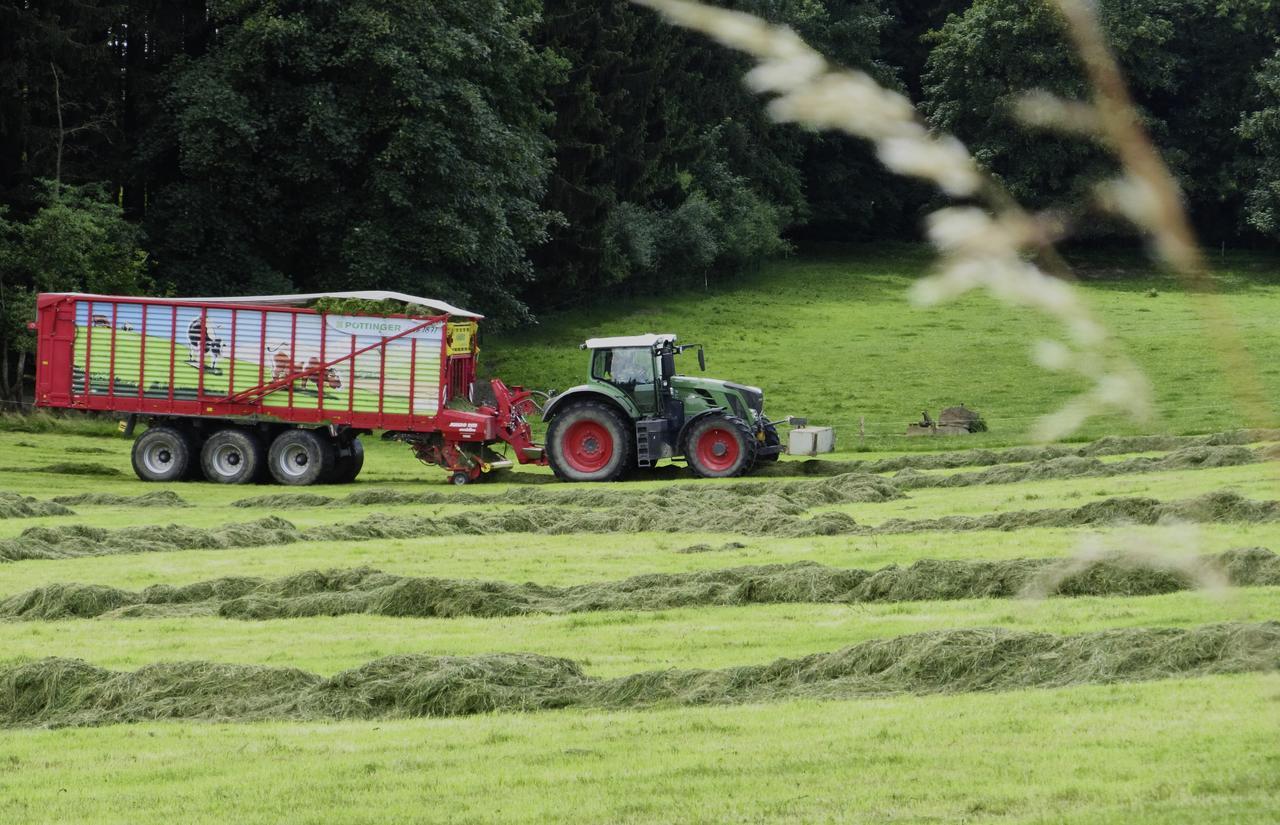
column 164, row 453
column 233, row 456
column 589, row 441
column 347, row 467
column 300, row 457
column 720, row 446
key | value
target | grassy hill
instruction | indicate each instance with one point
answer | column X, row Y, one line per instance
column 831, row 335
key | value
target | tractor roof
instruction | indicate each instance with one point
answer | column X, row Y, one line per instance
column 647, row 340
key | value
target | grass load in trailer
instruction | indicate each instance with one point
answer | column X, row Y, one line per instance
column 238, row 389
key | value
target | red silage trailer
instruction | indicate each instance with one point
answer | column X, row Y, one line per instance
column 239, row 389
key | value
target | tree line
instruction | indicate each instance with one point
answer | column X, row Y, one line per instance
column 519, row 156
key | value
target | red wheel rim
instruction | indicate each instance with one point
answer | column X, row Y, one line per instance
column 718, row 449
column 588, row 446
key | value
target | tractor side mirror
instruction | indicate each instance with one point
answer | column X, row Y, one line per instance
column 702, row 359
column 668, row 364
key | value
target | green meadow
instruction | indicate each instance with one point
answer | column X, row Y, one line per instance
column 1125, row 705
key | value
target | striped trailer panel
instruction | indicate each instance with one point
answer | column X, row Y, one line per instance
column 187, row 357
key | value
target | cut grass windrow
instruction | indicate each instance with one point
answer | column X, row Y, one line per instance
column 767, row 515
column 1111, row 445
column 1187, row 458
column 364, row 590
column 844, row 488
column 13, row 505
column 157, row 498
column 72, row 692
column 838, row 484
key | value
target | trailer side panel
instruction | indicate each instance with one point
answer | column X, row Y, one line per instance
column 187, row 358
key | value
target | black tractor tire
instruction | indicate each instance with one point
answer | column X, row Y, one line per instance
column 590, row 441
column 348, row 463
column 720, row 446
column 165, row 453
column 301, row 457
column 233, row 456
column 771, row 439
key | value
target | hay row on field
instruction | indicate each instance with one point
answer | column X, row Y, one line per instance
column 73, row 468
column 75, row 540
column 766, row 515
column 156, row 498
column 72, row 692
column 1187, row 458
column 13, row 505
column 848, row 488
column 1211, row 508
column 801, row 493
column 1108, row 446
column 364, row 590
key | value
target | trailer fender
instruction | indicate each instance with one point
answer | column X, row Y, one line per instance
column 589, row 392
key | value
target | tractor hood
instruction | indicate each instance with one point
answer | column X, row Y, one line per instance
column 698, row 392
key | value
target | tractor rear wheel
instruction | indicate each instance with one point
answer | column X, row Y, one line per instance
column 590, row 441
column 165, row 453
column 233, row 456
column 720, row 446
column 299, row 457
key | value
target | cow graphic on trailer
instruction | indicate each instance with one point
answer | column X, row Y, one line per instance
column 284, row 366
column 202, row 342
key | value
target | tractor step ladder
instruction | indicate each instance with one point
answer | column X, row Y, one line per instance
column 649, row 431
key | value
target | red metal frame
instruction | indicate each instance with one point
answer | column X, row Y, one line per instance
column 173, row 352
column 56, row 333
column 231, row 371
column 142, row 354
column 111, row 362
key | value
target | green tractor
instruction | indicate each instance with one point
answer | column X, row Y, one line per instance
column 636, row 410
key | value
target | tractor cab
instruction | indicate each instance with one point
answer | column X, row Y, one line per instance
column 640, row 366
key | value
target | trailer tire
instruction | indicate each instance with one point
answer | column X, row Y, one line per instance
column 164, row 453
column 233, row 456
column 347, row 467
column 720, row 446
column 590, row 441
column 301, row 457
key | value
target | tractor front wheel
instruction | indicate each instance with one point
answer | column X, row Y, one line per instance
column 589, row 441
column 720, row 446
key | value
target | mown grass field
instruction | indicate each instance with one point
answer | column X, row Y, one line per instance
column 1124, row 706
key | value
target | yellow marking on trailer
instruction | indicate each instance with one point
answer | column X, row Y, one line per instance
column 460, row 334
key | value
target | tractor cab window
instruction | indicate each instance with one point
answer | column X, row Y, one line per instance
column 627, row 366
